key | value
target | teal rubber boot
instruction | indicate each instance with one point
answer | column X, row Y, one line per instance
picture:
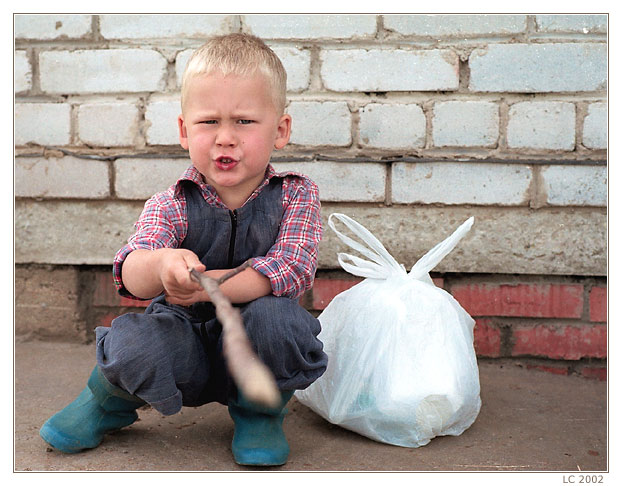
column 258, row 439
column 100, row 408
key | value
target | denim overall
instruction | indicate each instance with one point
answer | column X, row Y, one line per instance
column 171, row 356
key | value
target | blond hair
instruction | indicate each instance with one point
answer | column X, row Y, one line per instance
column 242, row 55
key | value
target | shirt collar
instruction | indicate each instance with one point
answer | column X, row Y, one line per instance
column 193, row 175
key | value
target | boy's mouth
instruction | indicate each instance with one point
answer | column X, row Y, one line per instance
column 225, row 163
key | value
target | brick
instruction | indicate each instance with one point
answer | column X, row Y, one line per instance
column 325, row 290
column 562, row 369
column 53, row 26
column 297, row 64
column 560, row 341
column 72, row 232
column 106, row 295
column 168, row 26
column 595, row 126
column 23, row 72
column 378, row 129
column 547, row 125
column 539, row 68
column 487, row 339
column 575, row 185
column 594, row 372
column 108, row 124
column 598, row 304
column 389, row 70
column 320, row 123
column 521, row 300
column 105, row 319
column 366, row 181
column 102, row 71
column 455, row 25
column 465, row 124
column 506, row 240
column 470, row 183
column 310, row 26
column 586, row 24
column 142, row 178
column 181, row 60
column 30, row 117
column 64, row 177
column 46, row 304
column 161, row 122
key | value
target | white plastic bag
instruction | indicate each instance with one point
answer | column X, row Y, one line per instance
column 401, row 363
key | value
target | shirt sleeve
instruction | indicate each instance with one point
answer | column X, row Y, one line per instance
column 292, row 261
column 160, row 225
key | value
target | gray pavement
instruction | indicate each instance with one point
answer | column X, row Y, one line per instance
column 530, row 421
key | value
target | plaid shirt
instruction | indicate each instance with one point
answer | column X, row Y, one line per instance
column 291, row 262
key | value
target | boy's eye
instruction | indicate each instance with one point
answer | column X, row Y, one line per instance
column 209, row 122
column 245, row 122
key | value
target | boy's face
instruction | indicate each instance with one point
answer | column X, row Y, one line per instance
column 230, row 127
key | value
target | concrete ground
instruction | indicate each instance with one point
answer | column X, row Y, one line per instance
column 530, row 421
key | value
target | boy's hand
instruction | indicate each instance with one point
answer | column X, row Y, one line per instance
column 179, row 287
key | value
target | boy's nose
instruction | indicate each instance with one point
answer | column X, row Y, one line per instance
column 225, row 137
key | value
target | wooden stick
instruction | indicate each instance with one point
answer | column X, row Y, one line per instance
column 251, row 375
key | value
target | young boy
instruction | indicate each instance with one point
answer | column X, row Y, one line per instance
column 229, row 206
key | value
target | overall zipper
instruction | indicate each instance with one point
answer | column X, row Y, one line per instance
column 234, row 226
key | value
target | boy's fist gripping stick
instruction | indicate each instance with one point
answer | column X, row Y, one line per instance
column 252, row 377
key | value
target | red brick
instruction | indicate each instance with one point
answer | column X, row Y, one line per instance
column 126, row 302
column 105, row 293
column 597, row 372
column 487, row 339
column 561, row 341
column 598, row 304
column 521, row 300
column 325, row 289
column 556, row 370
column 105, row 320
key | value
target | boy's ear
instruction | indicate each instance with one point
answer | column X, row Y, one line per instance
column 183, row 133
column 284, row 130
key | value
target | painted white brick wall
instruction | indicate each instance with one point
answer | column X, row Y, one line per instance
column 413, row 112
column 392, row 126
column 595, row 126
column 310, row 26
column 343, row 181
column 459, row 183
column 161, row 120
column 389, row 70
column 64, row 177
column 455, row 25
column 102, row 71
column 533, row 68
column 465, row 124
column 314, row 123
column 585, row 24
column 54, row 26
column 163, row 26
column 42, row 123
column 575, row 185
column 547, row 125
column 297, row 64
column 142, row 178
column 23, row 72
column 112, row 124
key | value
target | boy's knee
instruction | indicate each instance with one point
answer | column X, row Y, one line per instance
column 278, row 321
